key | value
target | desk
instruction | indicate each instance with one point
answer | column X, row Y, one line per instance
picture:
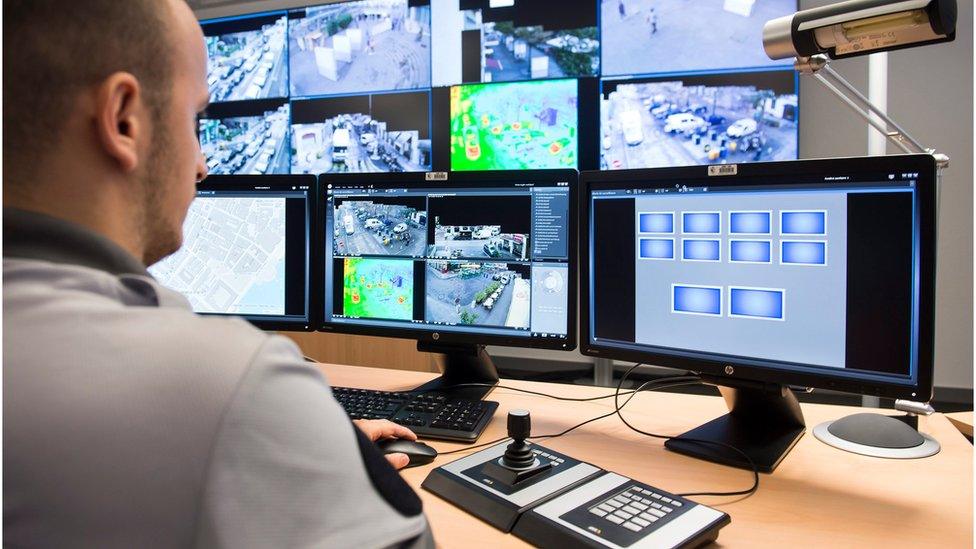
column 963, row 421
column 817, row 496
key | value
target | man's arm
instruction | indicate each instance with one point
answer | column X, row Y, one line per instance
column 289, row 469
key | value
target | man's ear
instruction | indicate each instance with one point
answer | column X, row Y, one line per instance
column 120, row 118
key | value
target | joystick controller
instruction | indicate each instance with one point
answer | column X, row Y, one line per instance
column 518, row 455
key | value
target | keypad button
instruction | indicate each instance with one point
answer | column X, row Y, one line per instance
column 641, row 522
column 631, row 526
column 656, row 496
column 622, row 500
column 656, row 505
column 623, row 515
column 615, row 519
column 606, row 507
column 656, row 512
column 598, row 512
column 638, row 505
column 631, row 510
column 667, row 509
column 615, row 503
column 666, row 500
column 676, row 503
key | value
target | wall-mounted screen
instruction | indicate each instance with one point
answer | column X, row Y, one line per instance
column 248, row 137
column 489, row 41
column 513, row 126
column 655, row 36
column 704, row 119
column 361, row 133
column 361, row 46
column 248, row 58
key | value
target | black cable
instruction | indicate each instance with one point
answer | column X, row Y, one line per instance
column 752, row 464
column 684, row 380
column 570, row 399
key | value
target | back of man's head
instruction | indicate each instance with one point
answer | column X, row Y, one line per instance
column 54, row 49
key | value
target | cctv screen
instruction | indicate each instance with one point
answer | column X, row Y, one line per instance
column 482, row 259
column 801, row 274
column 245, row 251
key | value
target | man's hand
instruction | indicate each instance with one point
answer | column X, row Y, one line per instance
column 376, row 429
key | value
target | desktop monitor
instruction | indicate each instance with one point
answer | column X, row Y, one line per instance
column 455, row 260
column 246, row 250
column 765, row 276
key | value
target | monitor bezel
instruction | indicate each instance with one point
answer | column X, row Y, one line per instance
column 920, row 390
column 277, row 182
column 475, row 179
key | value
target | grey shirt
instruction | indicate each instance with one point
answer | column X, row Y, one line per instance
column 129, row 421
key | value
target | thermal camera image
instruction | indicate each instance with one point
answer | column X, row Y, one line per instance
column 511, row 126
column 378, row 288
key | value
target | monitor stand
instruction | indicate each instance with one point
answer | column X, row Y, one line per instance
column 764, row 422
column 462, row 364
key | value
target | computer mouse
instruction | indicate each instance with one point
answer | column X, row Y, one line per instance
column 418, row 452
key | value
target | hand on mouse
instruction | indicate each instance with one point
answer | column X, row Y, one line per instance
column 376, row 429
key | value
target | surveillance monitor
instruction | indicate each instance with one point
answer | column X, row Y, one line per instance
column 456, row 261
column 814, row 273
column 246, row 250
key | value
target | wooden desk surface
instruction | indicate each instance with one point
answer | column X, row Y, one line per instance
column 963, row 421
column 819, row 496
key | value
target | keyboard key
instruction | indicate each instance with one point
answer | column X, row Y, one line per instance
column 633, row 527
column 631, row 510
column 639, row 506
column 622, row 500
column 656, row 505
column 641, row 522
column 645, row 492
column 666, row 500
column 615, row 519
column 656, row 512
column 656, row 496
column 646, row 501
column 598, row 512
column 676, row 503
column 605, row 507
column 615, row 504
column 667, row 509
column 623, row 515
column 648, row 517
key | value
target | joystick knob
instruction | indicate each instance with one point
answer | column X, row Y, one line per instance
column 519, row 425
column 518, row 454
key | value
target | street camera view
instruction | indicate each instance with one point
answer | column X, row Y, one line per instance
column 377, row 288
column 250, row 63
column 473, row 293
column 247, row 145
column 480, row 226
column 352, row 47
column 382, row 226
column 653, row 36
column 514, row 125
column 520, row 40
column 681, row 123
column 358, row 134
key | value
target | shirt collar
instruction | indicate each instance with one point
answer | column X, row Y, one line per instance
column 32, row 235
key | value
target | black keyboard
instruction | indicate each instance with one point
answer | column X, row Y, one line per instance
column 430, row 415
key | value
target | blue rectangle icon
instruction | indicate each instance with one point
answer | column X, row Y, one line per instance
column 657, row 222
column 657, row 248
column 803, row 223
column 696, row 300
column 701, row 222
column 801, row 252
column 701, row 250
column 761, row 303
column 750, row 222
column 750, row 251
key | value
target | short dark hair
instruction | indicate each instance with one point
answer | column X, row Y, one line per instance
column 54, row 48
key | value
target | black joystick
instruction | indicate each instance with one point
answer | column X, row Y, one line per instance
column 519, row 454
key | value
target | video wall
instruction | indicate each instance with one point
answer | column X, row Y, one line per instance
column 415, row 85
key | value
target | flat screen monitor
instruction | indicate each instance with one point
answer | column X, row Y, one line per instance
column 384, row 132
column 246, row 137
column 246, row 251
column 650, row 36
column 670, row 121
column 512, row 40
column 514, row 125
column 475, row 258
column 247, row 57
column 359, row 46
column 815, row 273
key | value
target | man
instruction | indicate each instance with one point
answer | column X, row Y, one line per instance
column 129, row 421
